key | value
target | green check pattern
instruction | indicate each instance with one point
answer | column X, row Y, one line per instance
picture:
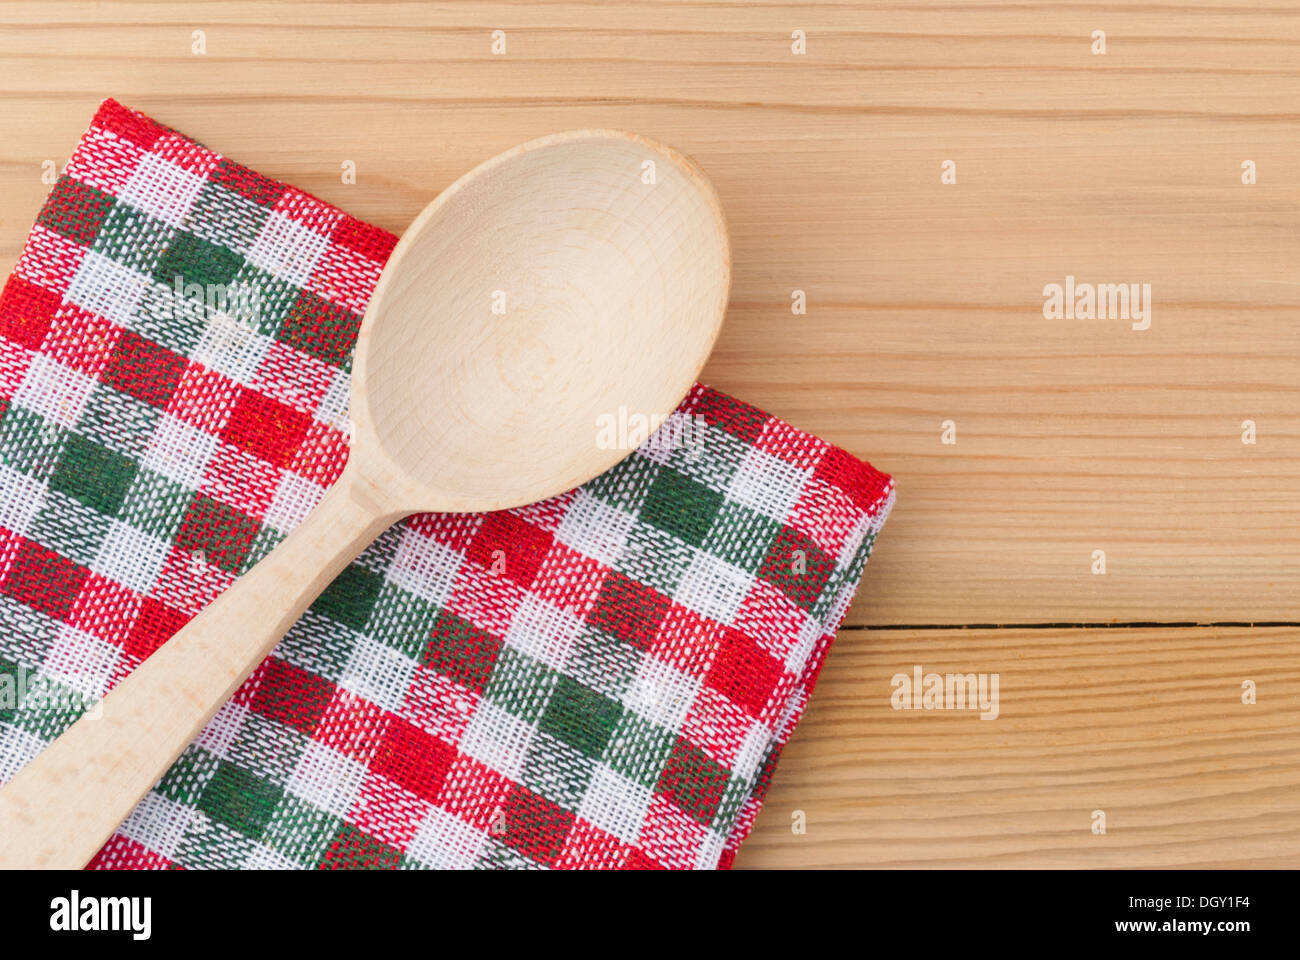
column 602, row 680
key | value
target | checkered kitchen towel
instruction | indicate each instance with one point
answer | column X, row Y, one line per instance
column 601, row 680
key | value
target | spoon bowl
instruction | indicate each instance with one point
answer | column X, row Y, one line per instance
column 546, row 288
column 565, row 280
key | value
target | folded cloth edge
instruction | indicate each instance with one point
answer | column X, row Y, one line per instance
column 851, row 474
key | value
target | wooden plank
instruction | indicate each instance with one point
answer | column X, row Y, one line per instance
column 1147, row 725
column 924, row 299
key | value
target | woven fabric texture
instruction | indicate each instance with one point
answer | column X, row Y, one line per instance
column 601, row 680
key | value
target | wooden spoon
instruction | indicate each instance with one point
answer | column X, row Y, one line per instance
column 610, row 255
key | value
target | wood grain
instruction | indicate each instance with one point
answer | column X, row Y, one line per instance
column 1146, row 725
column 924, row 299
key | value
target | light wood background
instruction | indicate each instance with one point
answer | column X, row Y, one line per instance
column 924, row 305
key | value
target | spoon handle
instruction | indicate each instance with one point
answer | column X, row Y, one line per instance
column 64, row 805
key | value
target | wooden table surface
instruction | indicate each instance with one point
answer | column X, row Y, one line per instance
column 1120, row 691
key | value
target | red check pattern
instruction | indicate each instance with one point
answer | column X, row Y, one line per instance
column 602, row 680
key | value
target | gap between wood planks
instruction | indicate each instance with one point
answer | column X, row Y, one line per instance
column 1066, row 625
